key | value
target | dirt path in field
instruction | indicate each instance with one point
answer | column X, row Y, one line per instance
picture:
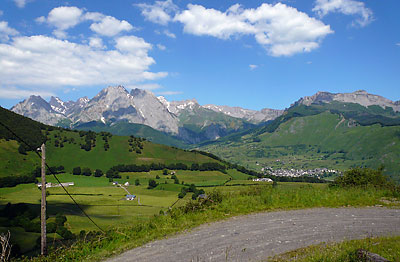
column 258, row 236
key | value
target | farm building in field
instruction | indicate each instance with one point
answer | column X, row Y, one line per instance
column 56, row 184
column 130, row 197
column 263, row 180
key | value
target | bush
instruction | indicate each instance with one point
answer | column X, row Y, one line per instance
column 98, row 173
column 152, row 184
column 86, row 171
column 76, row 171
column 137, row 182
column 364, row 177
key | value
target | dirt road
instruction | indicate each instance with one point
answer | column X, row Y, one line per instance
column 258, row 236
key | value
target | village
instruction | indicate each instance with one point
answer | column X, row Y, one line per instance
column 317, row 172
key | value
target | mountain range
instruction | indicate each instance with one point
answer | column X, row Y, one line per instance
column 184, row 120
column 333, row 130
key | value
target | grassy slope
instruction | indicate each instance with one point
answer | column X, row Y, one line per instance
column 12, row 162
column 323, row 140
column 71, row 155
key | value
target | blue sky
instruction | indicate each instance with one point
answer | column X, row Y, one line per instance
column 253, row 54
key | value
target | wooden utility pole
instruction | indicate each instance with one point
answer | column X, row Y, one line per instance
column 43, row 240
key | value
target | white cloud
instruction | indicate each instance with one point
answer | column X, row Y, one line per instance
column 169, row 34
column 6, row 31
column 169, row 93
column 21, row 3
column 64, row 17
column 60, row 34
column 40, row 20
column 133, row 45
column 166, row 32
column 398, row 44
column 96, row 42
column 110, row 26
column 198, row 20
column 1, row 12
column 45, row 61
column 15, row 93
column 252, row 67
column 93, row 16
column 161, row 47
column 160, row 12
column 282, row 30
column 347, row 7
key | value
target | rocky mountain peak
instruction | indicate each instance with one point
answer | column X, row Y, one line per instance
column 360, row 97
column 136, row 92
column 37, row 108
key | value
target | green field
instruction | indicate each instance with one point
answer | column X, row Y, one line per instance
column 105, row 202
column 317, row 141
column 234, row 200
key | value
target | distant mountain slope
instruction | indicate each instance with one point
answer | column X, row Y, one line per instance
column 321, row 132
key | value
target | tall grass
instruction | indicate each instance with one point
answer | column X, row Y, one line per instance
column 387, row 247
column 233, row 201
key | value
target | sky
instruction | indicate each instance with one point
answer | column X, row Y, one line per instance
column 253, row 54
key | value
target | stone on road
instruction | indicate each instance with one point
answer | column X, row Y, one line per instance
column 257, row 236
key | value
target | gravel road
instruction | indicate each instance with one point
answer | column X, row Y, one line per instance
column 258, row 236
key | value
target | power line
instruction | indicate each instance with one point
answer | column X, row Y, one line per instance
column 51, row 171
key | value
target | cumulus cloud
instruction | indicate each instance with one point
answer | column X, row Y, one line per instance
column 160, row 12
column 282, row 30
column 66, row 17
column 6, row 31
column 46, row 61
column 96, row 42
column 347, row 7
column 110, row 26
column 15, row 93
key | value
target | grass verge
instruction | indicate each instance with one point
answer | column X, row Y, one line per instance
column 387, row 247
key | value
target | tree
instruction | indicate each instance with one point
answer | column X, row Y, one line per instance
column 22, row 149
column 157, row 177
column 86, row 171
column 76, row 171
column 152, row 184
column 98, row 173
column 165, row 172
column 137, row 183
column 181, row 195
